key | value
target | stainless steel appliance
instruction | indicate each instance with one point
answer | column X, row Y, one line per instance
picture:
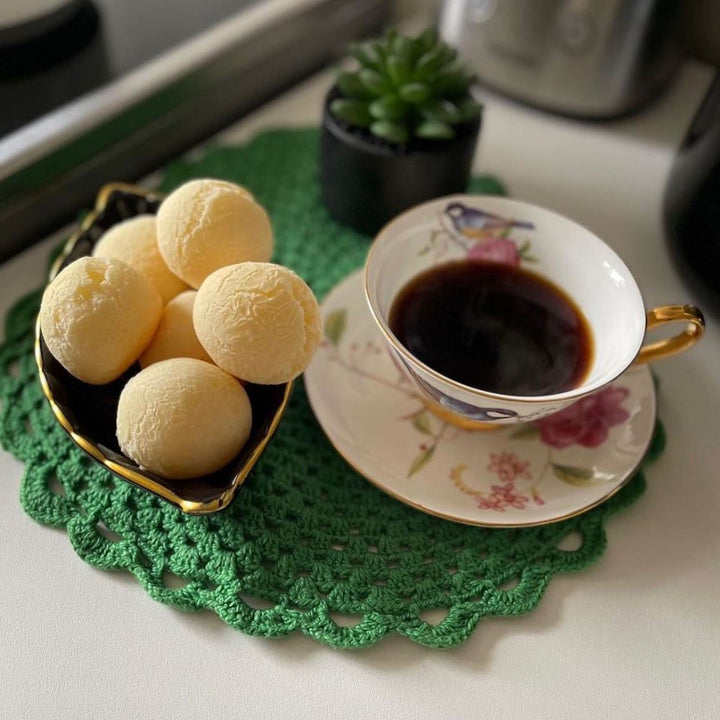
column 594, row 59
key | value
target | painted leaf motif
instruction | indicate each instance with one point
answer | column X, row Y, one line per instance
column 577, row 476
column 432, row 241
column 421, row 423
column 525, row 431
column 421, row 460
column 335, row 324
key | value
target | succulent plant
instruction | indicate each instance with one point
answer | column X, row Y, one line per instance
column 405, row 87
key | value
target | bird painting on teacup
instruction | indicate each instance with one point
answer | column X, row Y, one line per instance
column 483, row 236
column 476, row 223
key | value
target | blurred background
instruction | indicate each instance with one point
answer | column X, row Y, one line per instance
column 97, row 89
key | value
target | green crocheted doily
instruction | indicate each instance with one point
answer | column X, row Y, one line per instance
column 308, row 544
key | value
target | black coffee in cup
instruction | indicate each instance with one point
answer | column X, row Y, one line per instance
column 494, row 327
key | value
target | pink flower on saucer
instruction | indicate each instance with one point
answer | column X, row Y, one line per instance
column 496, row 250
column 502, row 496
column 507, row 495
column 508, row 466
column 587, row 421
column 490, row 503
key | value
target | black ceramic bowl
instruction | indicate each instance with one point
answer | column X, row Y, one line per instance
column 87, row 412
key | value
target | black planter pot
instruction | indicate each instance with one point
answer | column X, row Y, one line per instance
column 365, row 182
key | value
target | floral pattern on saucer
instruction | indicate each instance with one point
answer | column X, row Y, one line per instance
column 520, row 474
column 586, row 423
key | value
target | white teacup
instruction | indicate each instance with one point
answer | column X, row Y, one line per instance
column 498, row 229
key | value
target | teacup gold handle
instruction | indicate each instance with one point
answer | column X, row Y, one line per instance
column 670, row 346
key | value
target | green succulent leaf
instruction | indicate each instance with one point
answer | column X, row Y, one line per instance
column 417, row 50
column 451, row 82
column 356, row 51
column 398, row 70
column 378, row 50
column 450, row 54
column 349, row 85
column 428, row 63
column 373, row 54
column 404, row 50
column 428, row 39
column 391, row 131
column 469, row 109
column 390, row 36
column 366, row 55
column 374, row 82
column 443, row 111
column 469, row 79
column 389, row 107
column 487, row 185
column 407, row 87
column 353, row 112
column 434, row 130
column 415, row 93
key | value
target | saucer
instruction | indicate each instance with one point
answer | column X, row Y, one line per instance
column 514, row 476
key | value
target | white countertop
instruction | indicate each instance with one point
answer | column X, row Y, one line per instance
column 636, row 636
